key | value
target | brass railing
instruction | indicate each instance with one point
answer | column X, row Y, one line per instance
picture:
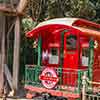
column 89, row 90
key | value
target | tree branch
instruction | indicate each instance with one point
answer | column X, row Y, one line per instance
column 21, row 6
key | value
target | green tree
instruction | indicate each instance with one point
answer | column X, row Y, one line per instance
column 46, row 9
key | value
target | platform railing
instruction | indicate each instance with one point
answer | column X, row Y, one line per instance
column 92, row 97
column 69, row 79
column 90, row 89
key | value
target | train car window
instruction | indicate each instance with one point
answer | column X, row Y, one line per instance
column 71, row 42
column 54, row 51
column 85, row 56
column 53, row 56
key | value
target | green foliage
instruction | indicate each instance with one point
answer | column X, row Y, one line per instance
column 28, row 24
column 83, row 8
column 47, row 9
column 71, row 8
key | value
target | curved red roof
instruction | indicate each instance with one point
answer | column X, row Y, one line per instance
column 65, row 23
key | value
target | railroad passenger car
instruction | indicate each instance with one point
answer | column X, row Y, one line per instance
column 66, row 49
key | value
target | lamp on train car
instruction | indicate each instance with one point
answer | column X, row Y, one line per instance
column 95, row 44
column 35, row 43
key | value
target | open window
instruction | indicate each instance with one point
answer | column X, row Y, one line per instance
column 54, row 56
column 85, row 56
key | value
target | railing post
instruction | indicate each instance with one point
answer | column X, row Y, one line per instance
column 91, row 59
column 84, row 86
column 39, row 51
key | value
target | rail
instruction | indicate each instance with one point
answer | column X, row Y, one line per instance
column 69, row 79
column 90, row 89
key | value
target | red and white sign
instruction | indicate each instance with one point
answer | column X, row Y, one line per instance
column 49, row 78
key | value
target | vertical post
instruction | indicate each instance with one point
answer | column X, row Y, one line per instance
column 39, row 51
column 79, row 80
column 62, row 54
column 16, row 53
column 91, row 58
column 84, row 86
column 2, row 55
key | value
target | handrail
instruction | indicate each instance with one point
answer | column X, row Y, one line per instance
column 68, row 69
column 30, row 65
column 92, row 82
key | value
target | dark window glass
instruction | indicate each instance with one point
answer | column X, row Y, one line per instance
column 71, row 42
column 85, row 52
column 53, row 56
column 54, row 51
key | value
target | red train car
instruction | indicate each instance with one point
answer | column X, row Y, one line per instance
column 66, row 48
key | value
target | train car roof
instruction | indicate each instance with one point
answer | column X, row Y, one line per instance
column 70, row 22
column 63, row 21
column 80, row 24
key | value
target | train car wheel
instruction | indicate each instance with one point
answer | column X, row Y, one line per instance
column 61, row 98
column 46, row 96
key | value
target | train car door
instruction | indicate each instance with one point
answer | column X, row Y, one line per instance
column 71, row 59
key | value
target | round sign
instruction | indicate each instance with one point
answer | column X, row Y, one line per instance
column 49, row 78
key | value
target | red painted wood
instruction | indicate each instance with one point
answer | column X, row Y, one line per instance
column 52, row 92
column 86, row 23
column 51, row 38
column 71, row 59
